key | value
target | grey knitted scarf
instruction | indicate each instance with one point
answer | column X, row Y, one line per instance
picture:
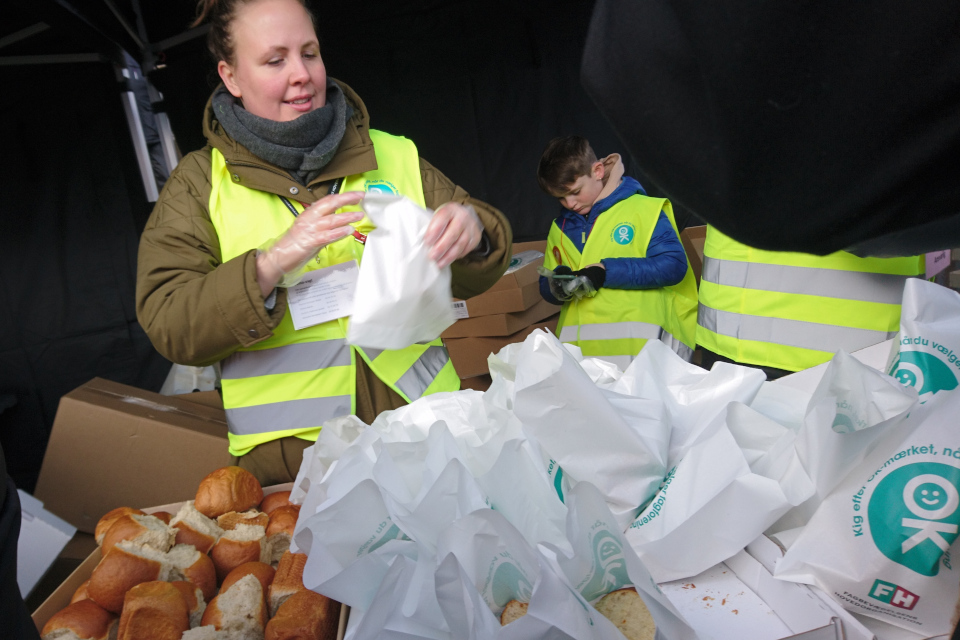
column 302, row 146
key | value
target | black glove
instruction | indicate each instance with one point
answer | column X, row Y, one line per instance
column 596, row 275
column 556, row 287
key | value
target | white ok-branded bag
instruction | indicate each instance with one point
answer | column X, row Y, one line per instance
column 929, row 355
column 883, row 543
column 402, row 296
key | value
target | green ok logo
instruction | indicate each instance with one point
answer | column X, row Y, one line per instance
column 914, row 515
column 923, row 371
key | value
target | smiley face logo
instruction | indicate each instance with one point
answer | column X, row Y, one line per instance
column 931, row 497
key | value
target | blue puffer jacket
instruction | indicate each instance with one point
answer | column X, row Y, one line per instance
column 666, row 261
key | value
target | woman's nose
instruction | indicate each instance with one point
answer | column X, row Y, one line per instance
column 299, row 73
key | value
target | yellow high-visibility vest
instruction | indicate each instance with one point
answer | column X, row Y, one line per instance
column 616, row 323
column 293, row 382
column 795, row 310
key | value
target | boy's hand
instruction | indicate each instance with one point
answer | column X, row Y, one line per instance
column 454, row 231
column 595, row 273
column 556, row 286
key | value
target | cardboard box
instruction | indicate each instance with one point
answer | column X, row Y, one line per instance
column 500, row 324
column 515, row 278
column 505, row 301
column 693, row 239
column 114, row 445
column 61, row 597
column 205, row 398
column 469, row 355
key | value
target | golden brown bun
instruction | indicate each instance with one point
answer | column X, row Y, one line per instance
column 142, row 529
column 231, row 519
column 81, row 592
column 187, row 535
column 228, row 489
column 239, row 609
column 246, row 543
column 625, row 609
column 283, row 520
column 274, row 500
column 85, row 618
column 287, row 581
column 514, row 609
column 153, row 611
column 195, row 529
column 108, row 518
column 119, row 571
column 193, row 598
column 163, row 516
column 259, row 570
column 305, row 615
column 202, row 573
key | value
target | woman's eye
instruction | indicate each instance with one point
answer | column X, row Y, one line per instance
column 274, row 62
column 309, row 54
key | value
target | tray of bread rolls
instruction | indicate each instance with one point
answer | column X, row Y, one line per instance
column 217, row 567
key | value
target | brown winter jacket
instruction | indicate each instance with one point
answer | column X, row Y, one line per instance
column 197, row 309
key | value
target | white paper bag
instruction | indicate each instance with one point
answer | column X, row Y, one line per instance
column 884, row 542
column 402, row 297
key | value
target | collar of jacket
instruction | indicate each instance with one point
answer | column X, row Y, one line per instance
column 355, row 155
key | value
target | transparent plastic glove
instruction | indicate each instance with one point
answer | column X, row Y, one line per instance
column 281, row 262
column 557, row 281
column 581, row 286
column 454, row 231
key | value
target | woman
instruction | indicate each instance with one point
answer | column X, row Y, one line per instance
column 289, row 151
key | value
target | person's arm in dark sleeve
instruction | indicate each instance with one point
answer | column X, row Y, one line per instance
column 664, row 266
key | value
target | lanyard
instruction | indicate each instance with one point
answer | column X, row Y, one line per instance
column 585, row 236
column 334, row 189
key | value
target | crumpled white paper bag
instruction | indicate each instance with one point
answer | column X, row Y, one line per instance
column 617, row 442
column 402, row 297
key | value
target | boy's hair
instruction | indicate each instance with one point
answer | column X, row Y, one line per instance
column 563, row 161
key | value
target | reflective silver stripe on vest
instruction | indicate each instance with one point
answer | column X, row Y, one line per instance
column 291, row 358
column 619, row 331
column 371, row 353
column 678, row 347
column 829, row 283
column 292, row 414
column 418, row 377
column 568, row 333
column 622, row 362
column 791, row 333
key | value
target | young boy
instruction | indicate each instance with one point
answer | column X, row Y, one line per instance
column 637, row 284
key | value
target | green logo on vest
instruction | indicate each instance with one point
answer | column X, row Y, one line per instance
column 623, row 234
column 383, row 186
column 914, row 515
column 923, row 371
column 609, row 567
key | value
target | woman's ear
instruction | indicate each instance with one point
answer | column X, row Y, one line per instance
column 229, row 80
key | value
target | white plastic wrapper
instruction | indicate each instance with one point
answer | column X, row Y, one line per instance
column 929, row 355
column 402, row 297
column 883, row 543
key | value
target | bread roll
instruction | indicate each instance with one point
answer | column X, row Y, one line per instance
column 231, row 519
column 187, row 563
column 273, row 500
column 283, row 521
column 81, row 592
column 287, row 581
column 260, row 570
column 107, row 520
column 194, row 600
column 514, row 609
column 228, row 489
column 246, row 543
column 194, row 528
column 625, row 609
column 154, row 611
column 148, row 530
column 208, row 632
column 305, row 615
column 240, row 610
column 124, row 567
column 85, row 618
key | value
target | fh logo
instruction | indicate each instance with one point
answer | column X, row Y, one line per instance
column 893, row 595
column 914, row 515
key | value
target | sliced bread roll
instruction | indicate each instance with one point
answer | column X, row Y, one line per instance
column 280, row 529
column 163, row 516
column 154, row 610
column 287, row 581
column 125, row 566
column 208, row 632
column 245, row 543
column 193, row 597
column 231, row 519
column 187, row 563
column 82, row 619
column 514, row 609
column 146, row 530
column 240, row 610
column 305, row 615
column 81, row 592
column 274, row 500
column 195, row 529
column 260, row 570
column 104, row 524
column 228, row 489
column 625, row 609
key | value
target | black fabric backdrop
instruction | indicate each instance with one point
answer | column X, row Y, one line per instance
column 481, row 87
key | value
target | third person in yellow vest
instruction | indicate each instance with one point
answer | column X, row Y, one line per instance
column 783, row 312
column 624, row 247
